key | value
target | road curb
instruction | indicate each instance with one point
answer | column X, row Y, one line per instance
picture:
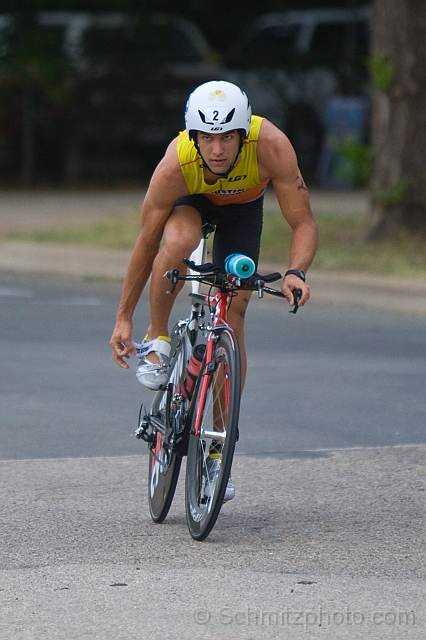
column 356, row 290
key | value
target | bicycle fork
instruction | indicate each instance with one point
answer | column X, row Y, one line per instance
column 220, row 394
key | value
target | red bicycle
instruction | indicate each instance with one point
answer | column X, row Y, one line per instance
column 197, row 414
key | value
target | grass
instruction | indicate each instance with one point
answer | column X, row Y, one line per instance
column 341, row 246
column 113, row 232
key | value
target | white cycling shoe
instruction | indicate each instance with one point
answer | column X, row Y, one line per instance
column 154, row 376
column 211, row 474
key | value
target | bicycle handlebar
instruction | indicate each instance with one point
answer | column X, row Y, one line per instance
column 213, row 275
column 210, row 269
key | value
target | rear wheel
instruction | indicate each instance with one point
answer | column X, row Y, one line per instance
column 214, row 412
column 167, row 419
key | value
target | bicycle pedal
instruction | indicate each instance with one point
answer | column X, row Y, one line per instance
column 142, row 432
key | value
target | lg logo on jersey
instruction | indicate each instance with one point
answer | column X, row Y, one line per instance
column 236, row 178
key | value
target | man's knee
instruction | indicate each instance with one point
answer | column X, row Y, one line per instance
column 182, row 231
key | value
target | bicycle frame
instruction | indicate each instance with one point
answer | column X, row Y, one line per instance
column 218, row 305
column 220, row 302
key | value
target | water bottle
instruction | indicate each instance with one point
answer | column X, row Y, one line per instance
column 240, row 265
column 193, row 369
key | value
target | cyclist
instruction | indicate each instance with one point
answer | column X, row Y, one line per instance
column 215, row 171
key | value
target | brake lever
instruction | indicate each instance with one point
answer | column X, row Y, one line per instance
column 297, row 294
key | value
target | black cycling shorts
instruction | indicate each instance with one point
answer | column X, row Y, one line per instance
column 238, row 226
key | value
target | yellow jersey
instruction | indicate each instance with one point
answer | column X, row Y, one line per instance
column 241, row 185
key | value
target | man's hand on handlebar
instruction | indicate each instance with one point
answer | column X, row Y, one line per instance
column 290, row 285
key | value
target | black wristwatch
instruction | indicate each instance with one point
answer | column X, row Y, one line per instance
column 296, row 272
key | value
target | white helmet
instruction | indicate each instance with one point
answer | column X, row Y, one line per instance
column 217, row 107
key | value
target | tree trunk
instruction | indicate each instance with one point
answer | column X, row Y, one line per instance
column 398, row 184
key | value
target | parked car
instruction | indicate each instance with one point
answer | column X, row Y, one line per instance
column 292, row 63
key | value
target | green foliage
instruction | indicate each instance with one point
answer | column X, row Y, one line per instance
column 382, row 72
column 357, row 162
column 395, row 194
column 34, row 58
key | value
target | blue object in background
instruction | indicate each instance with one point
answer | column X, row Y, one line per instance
column 345, row 120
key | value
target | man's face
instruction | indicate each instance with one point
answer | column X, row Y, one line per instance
column 219, row 149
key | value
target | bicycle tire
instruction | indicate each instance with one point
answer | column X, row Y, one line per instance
column 165, row 415
column 225, row 379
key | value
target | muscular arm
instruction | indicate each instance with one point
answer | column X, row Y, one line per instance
column 278, row 162
column 166, row 185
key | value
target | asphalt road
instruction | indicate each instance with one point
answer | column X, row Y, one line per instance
column 327, row 377
column 329, row 547
column 325, row 538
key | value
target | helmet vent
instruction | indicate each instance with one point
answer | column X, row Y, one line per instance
column 230, row 116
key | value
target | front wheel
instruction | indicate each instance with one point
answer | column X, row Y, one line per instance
column 167, row 418
column 213, row 431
